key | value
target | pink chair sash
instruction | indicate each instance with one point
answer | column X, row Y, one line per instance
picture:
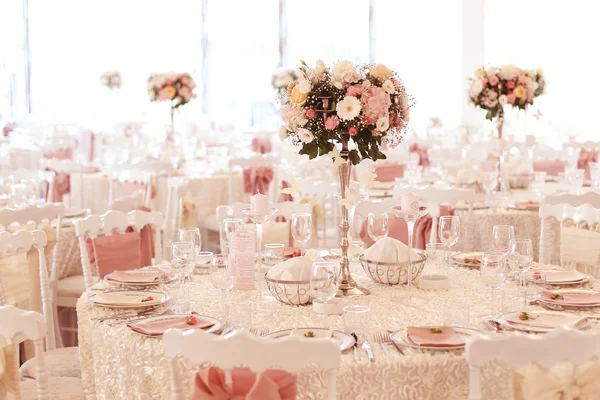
column 129, row 188
column 398, row 229
column 423, row 154
column 8, row 128
column 388, row 172
column 257, row 179
column 283, row 196
column 585, row 158
column 261, row 145
column 268, row 385
column 60, row 154
column 549, row 167
column 62, row 186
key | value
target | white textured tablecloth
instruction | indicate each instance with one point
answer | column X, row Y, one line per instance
column 118, row 364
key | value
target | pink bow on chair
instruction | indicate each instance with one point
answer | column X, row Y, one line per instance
column 261, row 145
column 423, row 155
column 585, row 158
column 60, row 154
column 257, row 179
column 268, row 385
column 283, row 196
column 389, row 172
column 62, row 186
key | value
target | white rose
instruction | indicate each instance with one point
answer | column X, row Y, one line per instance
column 404, row 100
column 283, row 133
column 479, row 73
column 508, row 72
column 502, row 99
column 338, row 85
column 388, row 86
column 476, row 88
column 490, row 71
column 304, row 86
column 305, row 135
column 345, row 71
column 320, row 68
column 383, row 124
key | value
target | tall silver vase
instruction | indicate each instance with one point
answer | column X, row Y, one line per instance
column 348, row 286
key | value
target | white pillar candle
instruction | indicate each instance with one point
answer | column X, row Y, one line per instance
column 260, row 204
column 410, row 201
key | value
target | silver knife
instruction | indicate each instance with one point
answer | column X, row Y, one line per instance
column 367, row 347
column 355, row 347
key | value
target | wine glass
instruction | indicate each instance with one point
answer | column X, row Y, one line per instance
column 520, row 259
column 191, row 235
column 324, row 282
column 229, row 225
column 302, row 229
column 489, row 181
column 222, row 278
column 449, row 230
column 493, row 274
column 377, row 226
column 183, row 263
column 501, row 237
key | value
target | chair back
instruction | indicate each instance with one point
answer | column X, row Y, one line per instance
column 63, row 167
column 325, row 210
column 157, row 167
column 256, row 161
column 515, row 350
column 591, row 198
column 110, row 223
column 579, row 235
column 256, row 353
column 18, row 325
column 129, row 202
column 43, row 180
column 22, row 242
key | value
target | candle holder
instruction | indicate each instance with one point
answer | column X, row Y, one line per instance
column 258, row 219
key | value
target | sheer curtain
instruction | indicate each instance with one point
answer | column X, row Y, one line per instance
column 12, row 67
column 421, row 40
column 562, row 39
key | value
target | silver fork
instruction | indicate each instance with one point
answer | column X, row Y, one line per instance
column 127, row 321
column 382, row 339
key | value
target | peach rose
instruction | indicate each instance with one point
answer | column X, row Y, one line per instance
column 297, row 97
column 381, row 72
column 520, row 92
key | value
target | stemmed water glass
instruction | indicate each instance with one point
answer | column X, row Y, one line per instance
column 228, row 226
column 302, row 229
column 501, row 237
column 489, row 181
column 191, row 235
column 520, row 259
column 493, row 275
column 324, row 282
column 377, row 226
column 222, row 278
column 411, row 215
column 183, row 263
column 449, row 230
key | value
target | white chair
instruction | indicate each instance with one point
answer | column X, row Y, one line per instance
column 579, row 235
column 262, row 160
column 66, row 167
column 591, row 198
column 41, row 217
column 93, row 226
column 121, row 177
column 518, row 350
column 18, row 325
column 243, row 348
column 128, row 203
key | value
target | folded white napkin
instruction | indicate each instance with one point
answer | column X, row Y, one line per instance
column 389, row 250
column 296, row 268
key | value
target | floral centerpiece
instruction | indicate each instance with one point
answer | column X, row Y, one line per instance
column 176, row 88
column 111, row 79
column 495, row 87
column 347, row 104
column 282, row 79
column 324, row 107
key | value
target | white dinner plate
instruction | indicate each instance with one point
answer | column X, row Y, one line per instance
column 458, row 259
column 140, row 271
column 343, row 339
column 536, row 329
column 559, row 305
column 585, row 278
column 159, row 298
column 400, row 338
column 215, row 328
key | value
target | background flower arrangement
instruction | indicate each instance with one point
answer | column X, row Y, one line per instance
column 495, row 87
column 282, row 79
column 111, row 79
column 324, row 107
column 178, row 88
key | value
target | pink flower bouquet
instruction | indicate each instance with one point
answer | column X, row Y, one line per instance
column 173, row 87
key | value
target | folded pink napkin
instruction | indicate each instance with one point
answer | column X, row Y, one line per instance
column 261, row 145
column 60, row 154
column 444, row 336
column 562, row 276
column 158, row 327
column 389, row 172
column 398, row 229
column 528, row 205
column 129, row 188
column 550, row 167
column 268, row 385
column 571, row 298
column 133, row 277
column 257, row 179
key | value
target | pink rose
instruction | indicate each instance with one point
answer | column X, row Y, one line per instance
column 484, row 81
column 184, row 80
column 522, row 79
column 310, row 113
column 511, row 98
column 367, row 121
column 168, row 82
column 399, row 123
column 331, row 122
column 357, row 90
column 352, row 131
column 375, row 132
column 510, row 84
column 494, row 80
column 162, row 96
column 376, row 103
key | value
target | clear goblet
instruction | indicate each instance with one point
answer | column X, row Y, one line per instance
column 377, row 226
column 324, row 282
column 228, row 226
column 501, row 237
column 520, row 259
column 493, row 274
column 449, row 230
column 222, row 278
column 302, row 229
column 183, row 263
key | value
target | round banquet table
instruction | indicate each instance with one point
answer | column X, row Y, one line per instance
column 117, row 363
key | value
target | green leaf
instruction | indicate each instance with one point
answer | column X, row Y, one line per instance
column 303, row 63
column 354, row 156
